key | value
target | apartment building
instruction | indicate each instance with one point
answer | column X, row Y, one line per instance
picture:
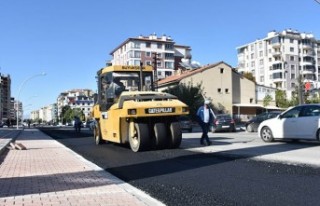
column 76, row 98
column 281, row 58
column 5, row 97
column 141, row 49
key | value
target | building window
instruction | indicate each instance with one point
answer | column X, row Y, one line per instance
column 221, row 70
column 251, row 100
column 168, row 65
column 136, row 45
column 260, row 53
column 291, row 58
column 159, row 45
column 137, row 54
column 226, row 90
column 149, row 63
column 261, row 62
column 252, row 55
column 148, row 54
column 219, row 90
column 168, row 46
column 148, row 44
column 291, row 49
column 291, row 41
column 168, row 55
column 167, row 73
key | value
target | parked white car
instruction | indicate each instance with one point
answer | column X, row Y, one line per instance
column 299, row 122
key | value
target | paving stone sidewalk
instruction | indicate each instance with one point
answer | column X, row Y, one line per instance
column 48, row 173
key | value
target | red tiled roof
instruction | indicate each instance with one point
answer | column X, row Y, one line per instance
column 179, row 77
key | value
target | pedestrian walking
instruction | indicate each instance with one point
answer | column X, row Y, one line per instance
column 77, row 124
column 205, row 117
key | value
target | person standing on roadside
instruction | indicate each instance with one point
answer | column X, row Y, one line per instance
column 205, row 117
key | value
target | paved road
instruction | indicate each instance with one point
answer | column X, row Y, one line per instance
column 225, row 173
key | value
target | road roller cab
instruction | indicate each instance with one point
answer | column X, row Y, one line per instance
column 128, row 111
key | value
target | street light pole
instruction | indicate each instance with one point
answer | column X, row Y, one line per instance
column 19, row 92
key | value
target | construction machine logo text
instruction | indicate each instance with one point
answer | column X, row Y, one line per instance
column 160, row 110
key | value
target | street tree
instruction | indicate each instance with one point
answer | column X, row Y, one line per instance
column 281, row 99
column 266, row 100
column 249, row 76
column 190, row 95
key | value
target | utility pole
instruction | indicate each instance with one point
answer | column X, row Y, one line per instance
column 141, row 78
column 300, row 91
column 155, row 63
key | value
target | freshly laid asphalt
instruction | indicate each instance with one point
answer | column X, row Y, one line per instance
column 48, row 173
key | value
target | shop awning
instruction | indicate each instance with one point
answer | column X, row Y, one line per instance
column 248, row 105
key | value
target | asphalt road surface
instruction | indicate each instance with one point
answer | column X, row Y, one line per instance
column 182, row 177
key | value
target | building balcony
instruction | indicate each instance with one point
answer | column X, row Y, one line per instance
column 276, row 45
column 278, row 80
column 307, row 46
column 309, row 77
column 307, row 71
column 307, row 63
column 277, row 53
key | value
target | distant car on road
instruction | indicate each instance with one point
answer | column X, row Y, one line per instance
column 253, row 124
column 299, row 122
column 223, row 122
column 185, row 123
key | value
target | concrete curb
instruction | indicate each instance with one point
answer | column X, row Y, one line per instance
column 4, row 144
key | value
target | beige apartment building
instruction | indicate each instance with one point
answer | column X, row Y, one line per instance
column 226, row 88
column 141, row 49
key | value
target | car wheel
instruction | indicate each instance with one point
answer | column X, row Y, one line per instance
column 97, row 134
column 249, row 128
column 266, row 134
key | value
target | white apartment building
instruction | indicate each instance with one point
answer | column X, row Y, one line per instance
column 141, row 49
column 278, row 59
column 46, row 114
column 76, row 98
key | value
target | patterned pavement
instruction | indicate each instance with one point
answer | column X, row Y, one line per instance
column 48, row 173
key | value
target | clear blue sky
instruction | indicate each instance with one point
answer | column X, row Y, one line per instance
column 71, row 39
